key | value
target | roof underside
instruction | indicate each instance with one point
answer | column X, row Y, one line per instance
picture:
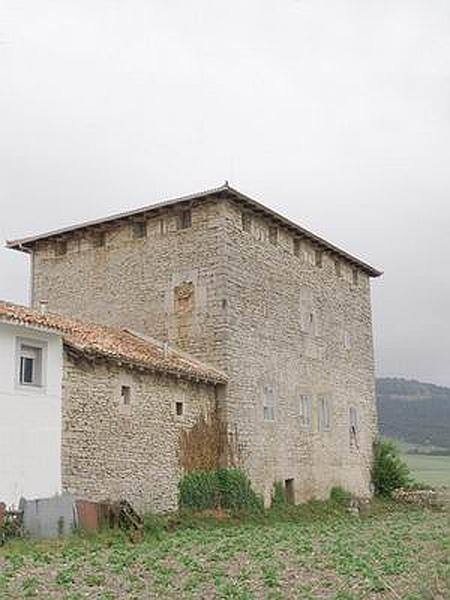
column 225, row 191
column 119, row 345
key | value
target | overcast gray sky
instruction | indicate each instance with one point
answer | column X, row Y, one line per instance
column 333, row 112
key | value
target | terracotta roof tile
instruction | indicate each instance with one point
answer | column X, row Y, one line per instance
column 117, row 344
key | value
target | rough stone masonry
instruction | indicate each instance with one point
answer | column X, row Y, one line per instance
column 284, row 313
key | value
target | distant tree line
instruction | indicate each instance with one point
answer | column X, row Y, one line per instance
column 418, row 413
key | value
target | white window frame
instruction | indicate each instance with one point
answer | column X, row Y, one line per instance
column 305, row 410
column 324, row 413
column 36, row 350
column 268, row 403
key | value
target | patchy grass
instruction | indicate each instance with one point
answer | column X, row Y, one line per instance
column 432, row 470
column 311, row 552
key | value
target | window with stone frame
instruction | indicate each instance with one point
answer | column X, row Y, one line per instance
column 268, row 403
column 297, row 244
column 125, row 394
column 305, row 404
column 309, row 322
column 324, row 407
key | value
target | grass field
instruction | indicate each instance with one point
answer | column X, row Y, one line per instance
column 432, row 470
column 313, row 552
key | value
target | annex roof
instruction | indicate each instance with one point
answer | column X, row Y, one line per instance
column 223, row 191
column 120, row 345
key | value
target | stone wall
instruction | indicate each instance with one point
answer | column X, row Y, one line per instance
column 280, row 317
column 272, row 291
column 112, row 451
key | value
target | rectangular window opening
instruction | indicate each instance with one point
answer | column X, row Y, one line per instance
column 354, row 421
column 318, row 256
column 61, row 248
column 297, row 247
column 179, row 409
column 126, row 395
column 269, row 404
column 139, row 230
column 30, row 365
column 355, row 276
column 273, row 234
column 246, row 221
column 184, row 220
column 324, row 414
column 305, row 411
column 338, row 268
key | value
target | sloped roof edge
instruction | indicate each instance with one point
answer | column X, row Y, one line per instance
column 119, row 345
column 23, row 243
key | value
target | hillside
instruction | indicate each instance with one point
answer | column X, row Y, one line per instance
column 418, row 413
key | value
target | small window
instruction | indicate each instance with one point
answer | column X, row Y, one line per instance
column 324, row 414
column 318, row 257
column 347, row 339
column 355, row 276
column 269, row 403
column 61, row 248
column 273, row 234
column 184, row 220
column 305, row 411
column 338, row 268
column 139, row 230
column 99, row 239
column 179, row 409
column 246, row 221
column 126, row 395
column 354, row 421
column 30, row 365
column 297, row 247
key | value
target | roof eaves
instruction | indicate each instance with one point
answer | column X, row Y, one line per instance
column 20, row 244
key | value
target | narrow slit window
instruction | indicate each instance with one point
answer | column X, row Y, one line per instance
column 126, row 395
column 305, row 411
column 246, row 221
column 297, row 247
column 338, row 268
column 184, row 220
column 179, row 409
column 269, row 404
column 355, row 276
column 354, row 420
column 318, row 256
column 273, row 234
column 324, row 414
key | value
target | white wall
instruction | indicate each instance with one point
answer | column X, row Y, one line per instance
column 30, row 420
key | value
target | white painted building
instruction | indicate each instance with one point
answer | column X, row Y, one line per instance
column 31, row 363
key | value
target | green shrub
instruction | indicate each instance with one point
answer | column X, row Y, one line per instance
column 389, row 472
column 340, row 496
column 279, row 495
column 224, row 488
column 199, row 490
column 235, row 490
column 154, row 524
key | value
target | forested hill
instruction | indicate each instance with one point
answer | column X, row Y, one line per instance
column 415, row 412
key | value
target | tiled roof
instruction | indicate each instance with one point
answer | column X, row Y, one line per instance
column 227, row 191
column 116, row 344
